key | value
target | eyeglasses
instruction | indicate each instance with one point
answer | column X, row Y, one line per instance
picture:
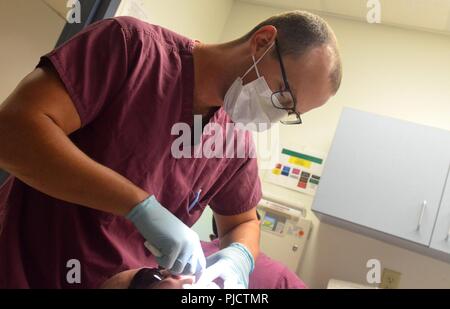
column 145, row 278
column 284, row 99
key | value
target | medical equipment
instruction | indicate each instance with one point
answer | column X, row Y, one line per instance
column 284, row 231
column 297, row 170
column 152, row 249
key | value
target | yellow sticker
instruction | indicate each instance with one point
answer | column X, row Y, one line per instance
column 300, row 162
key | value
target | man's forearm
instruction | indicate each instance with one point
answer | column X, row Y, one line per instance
column 246, row 233
column 38, row 152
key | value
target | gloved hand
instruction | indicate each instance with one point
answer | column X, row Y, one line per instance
column 180, row 248
column 232, row 264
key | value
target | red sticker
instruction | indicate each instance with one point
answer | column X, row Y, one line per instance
column 302, row 185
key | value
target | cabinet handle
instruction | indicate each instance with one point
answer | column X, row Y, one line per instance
column 424, row 205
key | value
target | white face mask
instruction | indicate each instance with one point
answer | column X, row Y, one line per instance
column 252, row 103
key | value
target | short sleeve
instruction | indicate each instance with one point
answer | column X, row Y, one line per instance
column 241, row 192
column 92, row 66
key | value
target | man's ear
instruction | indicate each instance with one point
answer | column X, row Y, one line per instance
column 262, row 39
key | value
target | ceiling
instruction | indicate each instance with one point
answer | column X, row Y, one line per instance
column 426, row 15
column 59, row 6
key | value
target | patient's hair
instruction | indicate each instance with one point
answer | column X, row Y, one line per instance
column 298, row 33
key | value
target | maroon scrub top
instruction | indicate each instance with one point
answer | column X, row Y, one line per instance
column 130, row 82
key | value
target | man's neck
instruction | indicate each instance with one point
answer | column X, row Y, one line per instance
column 216, row 67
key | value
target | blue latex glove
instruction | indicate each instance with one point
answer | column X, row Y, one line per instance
column 178, row 245
column 232, row 264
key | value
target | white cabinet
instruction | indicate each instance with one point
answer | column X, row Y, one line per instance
column 385, row 175
column 441, row 235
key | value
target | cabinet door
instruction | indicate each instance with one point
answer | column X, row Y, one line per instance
column 441, row 234
column 385, row 174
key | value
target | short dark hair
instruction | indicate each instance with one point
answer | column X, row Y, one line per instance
column 301, row 31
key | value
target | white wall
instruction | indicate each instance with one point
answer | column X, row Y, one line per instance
column 388, row 71
column 28, row 29
column 197, row 19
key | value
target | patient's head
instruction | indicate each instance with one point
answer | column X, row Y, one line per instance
column 146, row 278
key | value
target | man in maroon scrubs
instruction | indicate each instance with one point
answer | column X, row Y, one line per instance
column 88, row 170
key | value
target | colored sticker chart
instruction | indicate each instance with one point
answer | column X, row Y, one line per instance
column 297, row 171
